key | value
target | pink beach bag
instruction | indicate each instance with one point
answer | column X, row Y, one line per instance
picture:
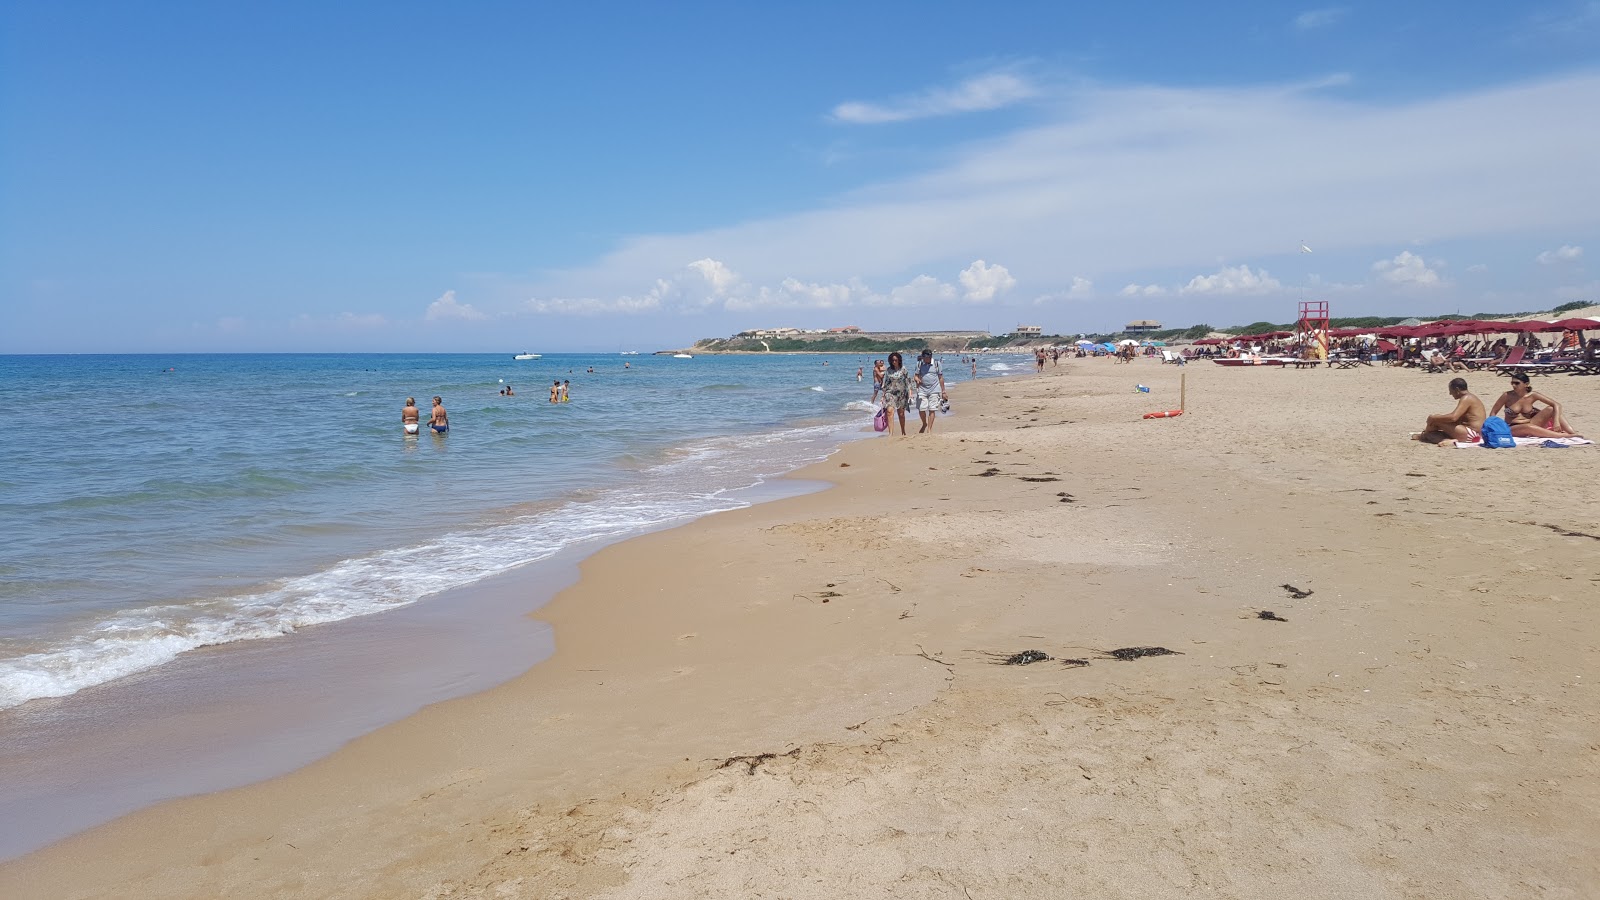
column 880, row 419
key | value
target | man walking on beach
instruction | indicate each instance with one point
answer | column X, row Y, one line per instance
column 440, row 420
column 1460, row 424
column 930, row 389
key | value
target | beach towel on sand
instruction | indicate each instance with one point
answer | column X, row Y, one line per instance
column 1529, row 442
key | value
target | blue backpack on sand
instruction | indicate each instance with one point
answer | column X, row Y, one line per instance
column 1497, row 434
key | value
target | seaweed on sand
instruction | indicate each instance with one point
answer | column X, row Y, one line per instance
column 1270, row 616
column 1127, row 654
column 1295, row 592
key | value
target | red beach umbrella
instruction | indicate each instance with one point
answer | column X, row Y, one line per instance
column 1533, row 325
column 1578, row 324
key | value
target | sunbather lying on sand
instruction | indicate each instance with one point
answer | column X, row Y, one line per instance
column 1459, row 424
column 1526, row 417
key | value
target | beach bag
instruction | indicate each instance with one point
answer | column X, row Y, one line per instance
column 1497, row 434
column 880, row 419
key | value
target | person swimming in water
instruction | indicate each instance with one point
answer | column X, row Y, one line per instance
column 440, row 420
column 1526, row 417
column 411, row 417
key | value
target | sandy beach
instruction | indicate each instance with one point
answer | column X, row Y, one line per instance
column 805, row 698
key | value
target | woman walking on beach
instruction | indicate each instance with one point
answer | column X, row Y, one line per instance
column 896, row 391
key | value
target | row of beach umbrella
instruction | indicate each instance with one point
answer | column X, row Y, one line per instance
column 1449, row 328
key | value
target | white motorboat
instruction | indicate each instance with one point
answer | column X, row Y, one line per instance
column 683, row 356
column 629, row 353
column 527, row 356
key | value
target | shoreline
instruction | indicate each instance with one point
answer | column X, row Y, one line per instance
column 847, row 633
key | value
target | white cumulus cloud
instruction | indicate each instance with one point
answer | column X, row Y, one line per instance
column 1081, row 287
column 1564, row 253
column 446, row 307
column 992, row 90
column 985, row 282
column 1407, row 269
column 1232, row 280
column 1142, row 290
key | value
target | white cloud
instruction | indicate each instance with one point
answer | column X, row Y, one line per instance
column 1407, row 269
column 1081, row 287
column 1232, row 280
column 992, row 90
column 700, row 285
column 1477, row 267
column 1231, row 170
column 1313, row 19
column 446, row 307
column 922, row 290
column 1565, row 253
column 985, row 282
column 1147, row 290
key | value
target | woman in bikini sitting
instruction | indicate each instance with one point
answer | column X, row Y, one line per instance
column 1526, row 417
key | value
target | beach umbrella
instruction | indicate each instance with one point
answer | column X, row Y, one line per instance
column 1155, row 343
column 1126, row 341
column 1085, row 343
column 1578, row 324
column 1533, row 325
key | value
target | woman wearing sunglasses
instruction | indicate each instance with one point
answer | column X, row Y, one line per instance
column 1526, row 417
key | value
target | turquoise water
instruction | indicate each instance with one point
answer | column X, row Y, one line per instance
column 163, row 503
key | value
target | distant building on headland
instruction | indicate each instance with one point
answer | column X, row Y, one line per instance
column 1029, row 330
column 1139, row 325
column 796, row 332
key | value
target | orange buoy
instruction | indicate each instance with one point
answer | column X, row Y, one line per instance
column 1169, row 414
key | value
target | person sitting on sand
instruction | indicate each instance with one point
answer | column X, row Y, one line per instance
column 1460, row 424
column 1526, row 417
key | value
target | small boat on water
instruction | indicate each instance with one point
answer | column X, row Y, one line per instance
column 629, row 353
column 527, row 356
column 683, row 356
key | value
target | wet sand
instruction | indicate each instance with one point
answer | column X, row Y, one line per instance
column 802, row 699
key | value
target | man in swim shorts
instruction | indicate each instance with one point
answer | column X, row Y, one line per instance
column 411, row 417
column 929, row 379
column 1463, row 423
column 566, row 386
column 440, row 421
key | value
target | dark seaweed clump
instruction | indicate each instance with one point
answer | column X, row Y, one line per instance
column 1131, row 653
column 1026, row 657
column 1270, row 616
column 1295, row 592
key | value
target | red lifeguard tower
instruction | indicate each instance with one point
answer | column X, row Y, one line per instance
column 1312, row 329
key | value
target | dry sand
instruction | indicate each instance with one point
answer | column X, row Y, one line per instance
column 802, row 699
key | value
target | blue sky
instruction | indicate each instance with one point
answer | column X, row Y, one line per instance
column 486, row 176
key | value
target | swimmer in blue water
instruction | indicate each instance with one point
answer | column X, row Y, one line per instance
column 440, row 421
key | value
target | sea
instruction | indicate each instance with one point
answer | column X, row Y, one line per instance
column 192, row 532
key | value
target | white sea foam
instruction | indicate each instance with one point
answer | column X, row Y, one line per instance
column 694, row 484
column 861, row 406
column 1000, row 367
column 818, row 387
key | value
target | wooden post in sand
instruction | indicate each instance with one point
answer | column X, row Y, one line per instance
column 1183, row 391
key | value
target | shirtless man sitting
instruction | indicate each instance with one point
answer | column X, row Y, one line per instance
column 411, row 417
column 1460, row 424
column 1526, row 417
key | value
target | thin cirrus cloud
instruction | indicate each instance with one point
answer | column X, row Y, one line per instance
column 1312, row 19
column 992, row 90
column 1150, row 178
